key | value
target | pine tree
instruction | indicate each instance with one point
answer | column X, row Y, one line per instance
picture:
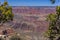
column 52, row 1
column 5, row 13
column 54, row 24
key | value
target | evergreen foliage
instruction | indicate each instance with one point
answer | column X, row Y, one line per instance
column 52, row 1
column 5, row 13
column 15, row 37
column 54, row 24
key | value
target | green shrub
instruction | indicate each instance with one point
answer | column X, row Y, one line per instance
column 15, row 38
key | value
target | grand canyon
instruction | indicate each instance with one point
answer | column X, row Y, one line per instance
column 30, row 21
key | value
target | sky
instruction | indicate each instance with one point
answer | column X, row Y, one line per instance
column 31, row 3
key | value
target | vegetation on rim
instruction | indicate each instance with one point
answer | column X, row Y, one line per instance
column 54, row 24
column 5, row 13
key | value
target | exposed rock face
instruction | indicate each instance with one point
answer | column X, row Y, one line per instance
column 34, row 9
column 31, row 21
column 6, row 31
column 32, row 15
column 35, row 19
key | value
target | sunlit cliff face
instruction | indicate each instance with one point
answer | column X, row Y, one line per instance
column 34, row 9
column 35, row 15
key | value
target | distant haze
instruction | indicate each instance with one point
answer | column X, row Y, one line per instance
column 34, row 9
